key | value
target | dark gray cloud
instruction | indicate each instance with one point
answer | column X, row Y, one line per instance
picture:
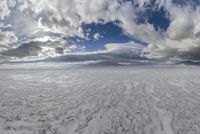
column 24, row 50
column 34, row 48
column 59, row 50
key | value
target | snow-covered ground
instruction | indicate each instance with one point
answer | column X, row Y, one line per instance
column 100, row 100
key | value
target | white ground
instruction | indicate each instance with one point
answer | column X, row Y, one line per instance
column 107, row 100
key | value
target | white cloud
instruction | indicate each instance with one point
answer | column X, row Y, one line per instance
column 5, row 8
column 97, row 36
column 6, row 38
column 131, row 49
column 182, row 38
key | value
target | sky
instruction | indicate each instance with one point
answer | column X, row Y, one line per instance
column 114, row 30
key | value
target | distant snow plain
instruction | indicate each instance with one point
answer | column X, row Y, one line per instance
column 100, row 100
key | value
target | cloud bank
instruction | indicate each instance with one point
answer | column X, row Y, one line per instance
column 40, row 29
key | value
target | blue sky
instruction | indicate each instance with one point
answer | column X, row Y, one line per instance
column 112, row 33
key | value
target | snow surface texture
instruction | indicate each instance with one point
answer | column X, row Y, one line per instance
column 107, row 100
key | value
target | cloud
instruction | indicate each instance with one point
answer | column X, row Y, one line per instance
column 67, row 16
column 5, row 8
column 114, row 52
column 180, row 28
column 64, row 17
column 97, row 36
column 131, row 49
column 181, row 38
column 38, row 48
column 24, row 50
column 6, row 38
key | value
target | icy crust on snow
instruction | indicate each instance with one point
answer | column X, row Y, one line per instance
column 121, row 100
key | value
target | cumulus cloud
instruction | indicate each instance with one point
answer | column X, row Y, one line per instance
column 27, row 49
column 5, row 8
column 97, row 36
column 182, row 36
column 131, row 49
column 66, row 16
column 38, row 48
column 6, row 38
